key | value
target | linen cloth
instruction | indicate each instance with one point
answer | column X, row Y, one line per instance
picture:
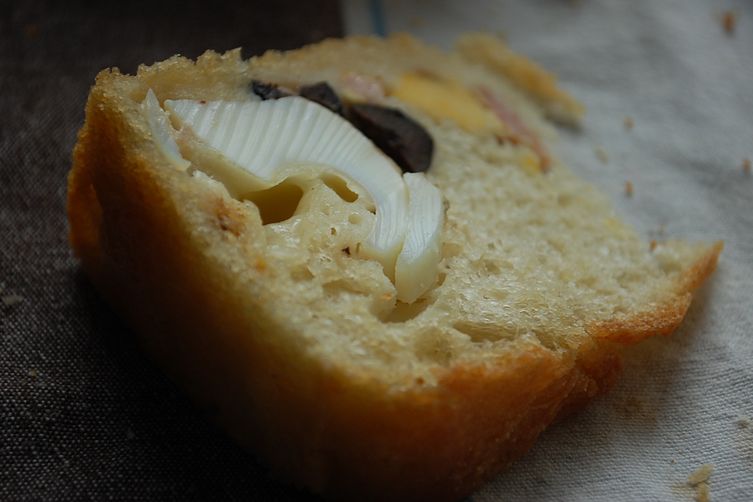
column 687, row 84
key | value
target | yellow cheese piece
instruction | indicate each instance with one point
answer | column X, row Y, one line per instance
column 442, row 99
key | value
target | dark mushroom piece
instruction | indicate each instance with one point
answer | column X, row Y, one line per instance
column 268, row 91
column 400, row 137
column 322, row 93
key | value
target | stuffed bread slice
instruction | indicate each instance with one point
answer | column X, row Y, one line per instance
column 256, row 303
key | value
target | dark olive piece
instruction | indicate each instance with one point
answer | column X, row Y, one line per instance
column 322, row 93
column 400, row 137
column 267, row 91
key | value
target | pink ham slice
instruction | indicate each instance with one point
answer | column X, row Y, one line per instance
column 519, row 132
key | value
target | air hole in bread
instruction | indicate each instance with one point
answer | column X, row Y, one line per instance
column 278, row 203
column 587, row 282
column 341, row 287
column 491, row 268
column 628, row 278
column 431, row 345
column 480, row 333
column 556, row 245
column 450, row 249
column 564, row 199
column 406, row 311
column 339, row 186
column 301, row 274
column 354, row 218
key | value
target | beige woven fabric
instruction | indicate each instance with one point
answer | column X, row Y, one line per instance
column 685, row 85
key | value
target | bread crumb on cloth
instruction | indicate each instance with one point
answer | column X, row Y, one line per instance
column 636, row 408
column 628, row 188
column 601, row 154
column 702, row 493
column 701, row 475
column 628, row 122
column 699, row 481
column 746, row 166
column 729, row 21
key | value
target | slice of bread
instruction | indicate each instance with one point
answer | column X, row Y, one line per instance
column 302, row 349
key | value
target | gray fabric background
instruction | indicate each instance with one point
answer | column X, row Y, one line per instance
column 687, row 400
column 83, row 414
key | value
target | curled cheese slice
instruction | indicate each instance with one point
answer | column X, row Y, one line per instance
column 162, row 131
column 269, row 139
column 416, row 267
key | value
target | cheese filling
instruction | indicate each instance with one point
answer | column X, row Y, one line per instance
column 262, row 143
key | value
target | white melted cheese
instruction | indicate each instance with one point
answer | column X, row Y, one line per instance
column 162, row 131
column 265, row 142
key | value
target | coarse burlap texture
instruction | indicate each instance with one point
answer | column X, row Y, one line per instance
column 687, row 85
column 84, row 415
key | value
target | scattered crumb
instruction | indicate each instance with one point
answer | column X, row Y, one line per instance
column 628, row 188
column 652, row 245
column 746, row 166
column 628, row 122
column 31, row 30
column 9, row 300
column 673, row 461
column 729, row 21
column 701, row 475
column 702, row 492
column 636, row 409
column 699, row 481
column 601, row 154
column 744, row 440
column 32, row 373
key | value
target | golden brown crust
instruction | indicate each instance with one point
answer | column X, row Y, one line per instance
column 343, row 435
column 693, row 277
column 665, row 318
